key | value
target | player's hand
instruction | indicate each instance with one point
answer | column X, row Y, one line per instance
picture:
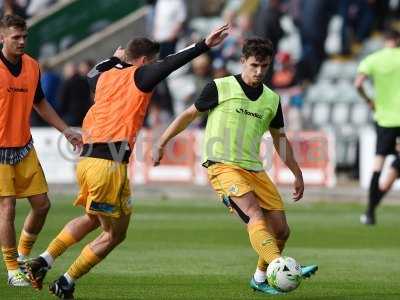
column 157, row 154
column 75, row 138
column 217, row 36
column 120, row 53
column 298, row 188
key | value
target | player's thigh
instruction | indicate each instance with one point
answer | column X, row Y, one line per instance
column 249, row 205
column 39, row 202
column 115, row 226
column 386, row 140
column 104, row 187
column 29, row 176
column 230, row 181
column 266, row 192
column 7, row 180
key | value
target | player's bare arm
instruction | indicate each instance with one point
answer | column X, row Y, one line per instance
column 177, row 126
column 48, row 114
column 358, row 83
column 285, row 152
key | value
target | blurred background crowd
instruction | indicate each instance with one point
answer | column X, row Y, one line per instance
column 319, row 44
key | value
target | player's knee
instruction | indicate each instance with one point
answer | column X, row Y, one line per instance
column 92, row 221
column 43, row 208
column 384, row 187
column 115, row 238
column 7, row 210
column 282, row 233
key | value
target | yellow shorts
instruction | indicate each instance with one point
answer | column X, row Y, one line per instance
column 23, row 179
column 234, row 181
column 103, row 187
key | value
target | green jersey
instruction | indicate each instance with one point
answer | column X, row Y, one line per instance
column 383, row 67
column 235, row 127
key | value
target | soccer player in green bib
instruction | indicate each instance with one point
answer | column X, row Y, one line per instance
column 383, row 67
column 240, row 110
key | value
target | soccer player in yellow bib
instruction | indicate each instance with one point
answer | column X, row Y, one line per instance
column 240, row 110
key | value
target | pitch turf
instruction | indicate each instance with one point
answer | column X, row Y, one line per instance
column 195, row 250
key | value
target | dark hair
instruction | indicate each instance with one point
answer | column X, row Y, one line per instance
column 257, row 47
column 138, row 47
column 392, row 34
column 8, row 21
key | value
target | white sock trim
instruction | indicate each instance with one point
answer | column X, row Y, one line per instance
column 260, row 276
column 48, row 258
column 13, row 272
column 69, row 279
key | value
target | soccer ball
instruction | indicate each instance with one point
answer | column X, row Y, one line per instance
column 284, row 274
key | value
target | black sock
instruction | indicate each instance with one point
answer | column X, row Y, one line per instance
column 375, row 194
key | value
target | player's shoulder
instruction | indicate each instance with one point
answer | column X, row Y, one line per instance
column 226, row 79
column 270, row 91
column 30, row 59
column 377, row 55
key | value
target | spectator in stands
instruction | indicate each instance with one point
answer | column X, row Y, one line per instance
column 383, row 67
column 36, row 6
column 202, row 74
column 169, row 19
column 313, row 27
column 85, row 66
column 51, row 82
column 357, row 23
column 161, row 108
column 74, row 97
column 18, row 7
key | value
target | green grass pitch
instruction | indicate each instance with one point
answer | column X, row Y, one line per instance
column 194, row 249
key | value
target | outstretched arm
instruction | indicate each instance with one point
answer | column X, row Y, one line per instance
column 358, row 83
column 285, row 152
column 177, row 126
column 148, row 76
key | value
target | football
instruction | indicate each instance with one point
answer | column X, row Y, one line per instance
column 284, row 274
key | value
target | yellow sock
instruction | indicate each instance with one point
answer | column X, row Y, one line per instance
column 26, row 242
column 10, row 256
column 262, row 241
column 262, row 264
column 85, row 261
column 61, row 243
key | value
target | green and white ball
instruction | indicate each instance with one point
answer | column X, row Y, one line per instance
column 284, row 274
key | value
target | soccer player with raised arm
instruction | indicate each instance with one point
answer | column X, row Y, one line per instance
column 21, row 175
column 240, row 110
column 122, row 86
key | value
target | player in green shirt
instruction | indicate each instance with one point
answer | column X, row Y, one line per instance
column 240, row 110
column 383, row 67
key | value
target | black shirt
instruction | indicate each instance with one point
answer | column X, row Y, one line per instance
column 208, row 99
column 148, row 76
column 15, row 70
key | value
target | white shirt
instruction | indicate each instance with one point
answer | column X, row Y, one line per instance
column 169, row 14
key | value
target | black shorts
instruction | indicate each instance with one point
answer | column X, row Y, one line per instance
column 386, row 139
column 396, row 165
